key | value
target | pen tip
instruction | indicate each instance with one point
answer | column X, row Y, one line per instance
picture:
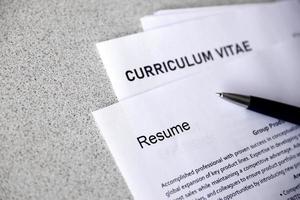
column 219, row 94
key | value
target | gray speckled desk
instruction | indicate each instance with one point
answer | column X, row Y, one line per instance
column 51, row 78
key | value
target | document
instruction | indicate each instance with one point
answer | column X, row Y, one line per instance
column 181, row 141
column 211, row 9
column 143, row 61
column 169, row 17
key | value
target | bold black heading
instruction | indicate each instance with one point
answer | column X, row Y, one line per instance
column 187, row 61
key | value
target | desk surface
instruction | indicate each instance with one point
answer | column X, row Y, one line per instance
column 51, row 78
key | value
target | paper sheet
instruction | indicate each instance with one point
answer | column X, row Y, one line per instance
column 181, row 141
column 210, row 9
column 143, row 61
column 157, row 21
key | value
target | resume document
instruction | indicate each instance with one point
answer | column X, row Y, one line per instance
column 181, row 141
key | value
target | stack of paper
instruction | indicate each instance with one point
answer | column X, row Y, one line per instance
column 172, row 137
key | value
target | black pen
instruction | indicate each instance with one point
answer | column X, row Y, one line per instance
column 264, row 106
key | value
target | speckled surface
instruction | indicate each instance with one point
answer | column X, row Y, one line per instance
column 51, row 78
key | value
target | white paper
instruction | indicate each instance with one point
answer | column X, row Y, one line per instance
column 173, row 17
column 209, row 9
column 260, row 29
column 216, row 129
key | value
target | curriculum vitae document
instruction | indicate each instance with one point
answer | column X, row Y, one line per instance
column 157, row 21
column 181, row 141
column 143, row 61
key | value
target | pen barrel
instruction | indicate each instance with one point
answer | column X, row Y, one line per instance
column 275, row 109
